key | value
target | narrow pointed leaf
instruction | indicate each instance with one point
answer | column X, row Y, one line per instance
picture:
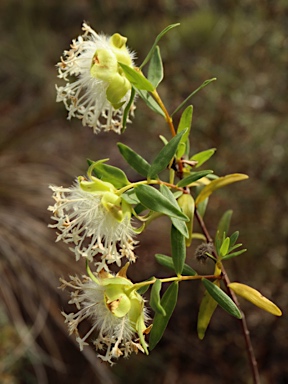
column 219, row 183
column 234, row 247
column 165, row 155
column 161, row 34
column 255, row 297
column 150, row 102
column 224, row 247
column 234, row 254
column 185, row 123
column 137, row 78
column 194, row 176
column 206, row 310
column 234, row 238
column 201, row 207
column 155, row 303
column 152, row 199
column 187, row 205
column 222, row 298
column 224, row 224
column 155, row 70
column 127, row 110
column 203, row 156
column 160, row 322
column 167, row 261
column 134, row 159
column 178, row 247
column 179, row 224
column 204, row 84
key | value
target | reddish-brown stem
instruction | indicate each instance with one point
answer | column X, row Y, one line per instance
column 244, row 326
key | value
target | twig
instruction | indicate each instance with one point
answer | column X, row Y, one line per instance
column 244, row 326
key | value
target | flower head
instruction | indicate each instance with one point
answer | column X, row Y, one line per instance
column 95, row 219
column 97, row 90
column 116, row 311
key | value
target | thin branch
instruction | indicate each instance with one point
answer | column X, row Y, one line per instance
column 244, row 326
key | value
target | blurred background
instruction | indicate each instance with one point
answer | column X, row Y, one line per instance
column 243, row 114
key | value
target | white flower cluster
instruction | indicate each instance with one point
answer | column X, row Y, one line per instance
column 120, row 330
column 96, row 90
column 83, row 221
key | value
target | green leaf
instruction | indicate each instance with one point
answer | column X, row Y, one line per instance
column 167, row 261
column 194, row 176
column 203, row 156
column 219, row 183
column 224, row 247
column 152, row 199
column 234, row 238
column 139, row 208
column 137, row 78
column 187, row 205
column 111, row 174
column 224, row 224
column 218, row 242
column 234, row 254
column 150, row 102
column 127, row 110
column 179, row 224
column 155, row 70
column 234, row 246
column 134, row 159
column 130, row 197
column 168, row 302
column 222, row 298
column 206, row 310
column 161, row 34
column 155, row 298
column 201, row 207
column 204, row 84
column 185, row 123
column 178, row 247
column 165, row 156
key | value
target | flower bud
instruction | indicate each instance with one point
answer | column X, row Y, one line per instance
column 95, row 185
column 104, row 65
column 117, row 89
column 119, row 48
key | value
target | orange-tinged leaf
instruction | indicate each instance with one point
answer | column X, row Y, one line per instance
column 255, row 297
column 219, row 183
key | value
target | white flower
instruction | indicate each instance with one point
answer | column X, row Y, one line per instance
column 96, row 220
column 97, row 90
column 115, row 310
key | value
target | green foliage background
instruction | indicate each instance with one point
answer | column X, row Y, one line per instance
column 244, row 114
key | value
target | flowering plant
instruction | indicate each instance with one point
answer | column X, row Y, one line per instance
column 102, row 214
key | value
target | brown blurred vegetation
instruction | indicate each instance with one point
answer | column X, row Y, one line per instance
column 244, row 114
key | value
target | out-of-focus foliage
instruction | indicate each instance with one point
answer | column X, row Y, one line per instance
column 244, row 115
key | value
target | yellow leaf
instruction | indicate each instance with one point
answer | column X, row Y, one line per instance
column 255, row 297
column 219, row 183
column 206, row 310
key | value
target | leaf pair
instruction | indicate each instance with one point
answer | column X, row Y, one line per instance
column 213, row 296
column 161, row 161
